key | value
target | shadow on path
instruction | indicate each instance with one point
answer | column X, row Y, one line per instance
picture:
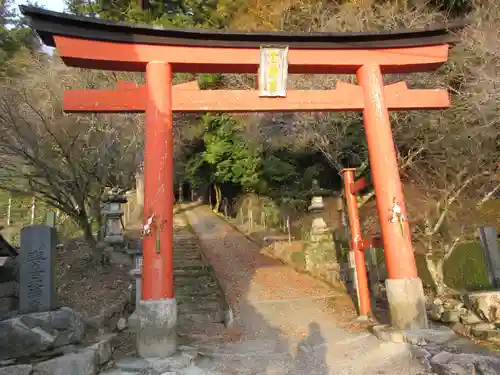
column 310, row 357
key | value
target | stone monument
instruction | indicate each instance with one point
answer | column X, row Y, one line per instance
column 489, row 243
column 37, row 290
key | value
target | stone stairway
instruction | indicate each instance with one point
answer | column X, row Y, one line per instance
column 198, row 294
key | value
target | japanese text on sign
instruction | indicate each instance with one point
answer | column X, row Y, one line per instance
column 273, row 71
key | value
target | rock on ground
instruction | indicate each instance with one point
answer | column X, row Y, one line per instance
column 30, row 334
column 111, row 317
column 387, row 333
column 75, row 364
column 183, row 359
column 121, row 324
column 104, row 349
column 485, row 304
column 446, row 363
column 16, row 370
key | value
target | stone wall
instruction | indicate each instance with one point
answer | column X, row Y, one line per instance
column 318, row 261
column 324, row 255
column 9, row 286
column 322, row 261
column 470, row 314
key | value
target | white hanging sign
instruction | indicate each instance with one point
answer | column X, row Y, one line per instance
column 273, row 71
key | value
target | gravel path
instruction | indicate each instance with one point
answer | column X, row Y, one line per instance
column 288, row 322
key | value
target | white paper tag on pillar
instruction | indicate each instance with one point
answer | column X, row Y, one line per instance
column 350, row 259
column 273, row 71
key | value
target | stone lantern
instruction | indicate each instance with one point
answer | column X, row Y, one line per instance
column 317, row 207
column 112, row 216
column 320, row 255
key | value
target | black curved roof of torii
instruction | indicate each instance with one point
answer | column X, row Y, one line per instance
column 48, row 24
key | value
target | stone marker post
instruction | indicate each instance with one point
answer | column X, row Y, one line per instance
column 50, row 218
column 374, row 275
column 139, row 191
column 136, row 273
column 488, row 239
column 181, row 192
column 37, row 290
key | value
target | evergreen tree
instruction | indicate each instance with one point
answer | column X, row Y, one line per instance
column 15, row 37
column 174, row 13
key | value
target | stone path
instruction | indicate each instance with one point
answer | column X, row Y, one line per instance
column 284, row 322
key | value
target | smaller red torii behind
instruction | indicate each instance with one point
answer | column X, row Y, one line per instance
column 357, row 244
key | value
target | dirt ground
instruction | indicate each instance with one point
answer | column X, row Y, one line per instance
column 89, row 288
column 83, row 284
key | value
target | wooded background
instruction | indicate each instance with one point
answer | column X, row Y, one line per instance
column 448, row 159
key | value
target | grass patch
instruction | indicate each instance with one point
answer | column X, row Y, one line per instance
column 466, row 268
column 299, row 259
column 20, row 216
column 422, row 270
column 341, row 246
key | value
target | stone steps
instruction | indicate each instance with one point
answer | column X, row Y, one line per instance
column 193, row 288
column 199, row 298
column 179, row 259
column 202, row 316
column 200, row 303
column 200, row 266
column 188, row 276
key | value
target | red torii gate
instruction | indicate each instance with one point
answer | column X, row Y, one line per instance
column 96, row 44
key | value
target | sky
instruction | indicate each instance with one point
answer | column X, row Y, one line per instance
column 56, row 5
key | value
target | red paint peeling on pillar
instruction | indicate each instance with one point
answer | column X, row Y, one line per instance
column 158, row 280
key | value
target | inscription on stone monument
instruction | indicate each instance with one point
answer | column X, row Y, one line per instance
column 37, row 269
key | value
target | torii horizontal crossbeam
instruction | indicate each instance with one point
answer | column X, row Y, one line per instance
column 188, row 98
column 98, row 44
column 92, row 54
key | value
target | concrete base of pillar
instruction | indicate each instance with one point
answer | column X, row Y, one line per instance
column 156, row 328
column 406, row 303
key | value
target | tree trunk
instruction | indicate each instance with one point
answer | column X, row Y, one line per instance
column 435, row 265
column 218, row 196
column 86, row 227
column 139, row 196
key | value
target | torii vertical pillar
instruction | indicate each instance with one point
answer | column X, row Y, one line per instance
column 404, row 289
column 157, row 312
column 357, row 243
